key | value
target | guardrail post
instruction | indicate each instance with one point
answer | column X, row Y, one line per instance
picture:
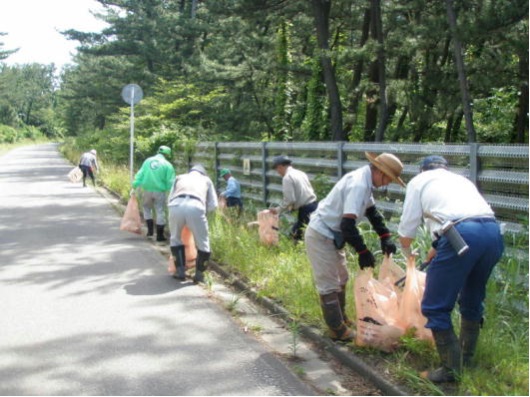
column 216, row 163
column 264, row 171
column 473, row 163
column 340, row 159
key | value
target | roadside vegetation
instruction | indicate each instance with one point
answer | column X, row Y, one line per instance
column 13, row 137
column 283, row 273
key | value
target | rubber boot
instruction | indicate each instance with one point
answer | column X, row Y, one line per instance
column 160, row 233
column 469, row 333
column 179, row 255
column 200, row 266
column 342, row 301
column 332, row 312
column 450, row 354
column 150, row 225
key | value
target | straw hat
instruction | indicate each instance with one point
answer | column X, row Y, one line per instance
column 389, row 164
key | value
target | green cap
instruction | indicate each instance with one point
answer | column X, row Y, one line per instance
column 166, row 151
column 223, row 172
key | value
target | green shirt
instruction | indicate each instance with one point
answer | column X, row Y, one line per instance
column 156, row 175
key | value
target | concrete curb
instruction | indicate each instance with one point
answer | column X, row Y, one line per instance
column 339, row 352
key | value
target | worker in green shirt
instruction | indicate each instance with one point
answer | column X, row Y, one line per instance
column 156, row 179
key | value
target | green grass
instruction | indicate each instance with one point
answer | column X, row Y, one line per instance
column 283, row 273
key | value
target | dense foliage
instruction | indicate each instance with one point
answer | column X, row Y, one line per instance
column 296, row 70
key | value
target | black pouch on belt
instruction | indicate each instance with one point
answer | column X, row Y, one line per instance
column 338, row 239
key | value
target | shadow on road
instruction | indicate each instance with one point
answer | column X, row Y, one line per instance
column 155, row 285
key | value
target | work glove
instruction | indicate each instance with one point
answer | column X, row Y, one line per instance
column 387, row 245
column 366, row 259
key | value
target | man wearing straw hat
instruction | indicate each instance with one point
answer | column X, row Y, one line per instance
column 334, row 223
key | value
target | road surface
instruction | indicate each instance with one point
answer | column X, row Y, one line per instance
column 89, row 310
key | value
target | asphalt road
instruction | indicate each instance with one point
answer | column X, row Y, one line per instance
column 86, row 309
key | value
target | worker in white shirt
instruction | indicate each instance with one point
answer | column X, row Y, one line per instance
column 467, row 245
column 191, row 198
column 334, row 223
column 298, row 194
column 89, row 165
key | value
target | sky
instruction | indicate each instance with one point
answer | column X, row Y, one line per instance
column 34, row 25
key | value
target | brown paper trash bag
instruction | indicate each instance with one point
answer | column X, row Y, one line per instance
column 377, row 310
column 390, row 273
column 75, row 175
column 268, row 227
column 222, row 203
column 131, row 221
column 171, row 269
column 190, row 249
column 410, row 305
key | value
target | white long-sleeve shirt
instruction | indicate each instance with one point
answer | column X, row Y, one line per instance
column 197, row 185
column 351, row 195
column 89, row 160
column 443, row 195
column 297, row 190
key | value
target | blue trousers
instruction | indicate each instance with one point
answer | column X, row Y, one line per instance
column 302, row 220
column 452, row 278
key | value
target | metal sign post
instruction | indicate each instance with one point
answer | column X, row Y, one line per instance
column 132, row 94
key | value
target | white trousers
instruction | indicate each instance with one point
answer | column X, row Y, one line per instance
column 156, row 200
column 191, row 213
column 328, row 263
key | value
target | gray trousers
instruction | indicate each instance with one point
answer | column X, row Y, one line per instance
column 156, row 201
column 191, row 213
column 328, row 263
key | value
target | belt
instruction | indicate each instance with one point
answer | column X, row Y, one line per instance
column 477, row 219
column 308, row 205
column 188, row 196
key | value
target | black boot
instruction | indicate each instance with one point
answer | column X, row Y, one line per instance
column 149, row 223
column 342, row 302
column 179, row 255
column 332, row 312
column 200, row 266
column 160, row 233
column 448, row 348
column 469, row 333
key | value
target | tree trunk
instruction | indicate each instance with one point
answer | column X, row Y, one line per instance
column 381, row 64
column 464, row 89
column 372, row 95
column 321, row 10
column 449, row 128
column 521, row 119
column 193, row 9
column 402, row 118
column 353, row 104
column 456, row 126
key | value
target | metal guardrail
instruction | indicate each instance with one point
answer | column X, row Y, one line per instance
column 499, row 171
